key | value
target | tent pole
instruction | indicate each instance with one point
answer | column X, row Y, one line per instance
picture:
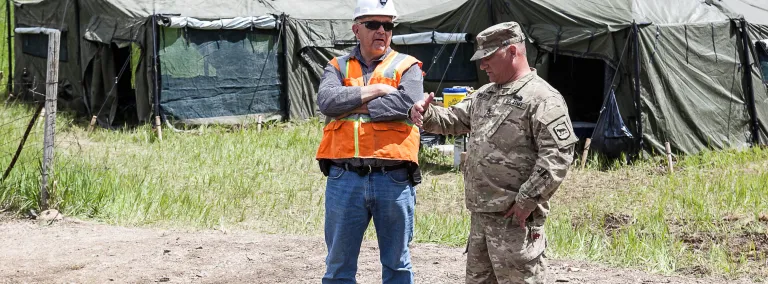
column 636, row 49
column 79, row 48
column 80, row 64
column 748, row 83
column 10, row 45
column 155, row 69
column 284, row 73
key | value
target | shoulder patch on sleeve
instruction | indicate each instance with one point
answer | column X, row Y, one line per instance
column 560, row 128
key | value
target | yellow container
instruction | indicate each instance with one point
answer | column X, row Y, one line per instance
column 452, row 96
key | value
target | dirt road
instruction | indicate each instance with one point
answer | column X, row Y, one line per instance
column 72, row 251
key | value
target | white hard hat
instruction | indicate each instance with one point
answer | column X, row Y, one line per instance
column 375, row 8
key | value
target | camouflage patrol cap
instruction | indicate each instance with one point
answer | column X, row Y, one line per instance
column 490, row 39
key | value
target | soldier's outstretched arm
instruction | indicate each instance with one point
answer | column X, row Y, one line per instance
column 454, row 120
column 555, row 139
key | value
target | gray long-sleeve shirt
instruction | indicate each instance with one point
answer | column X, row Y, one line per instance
column 335, row 99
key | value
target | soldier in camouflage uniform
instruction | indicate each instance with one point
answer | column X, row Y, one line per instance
column 520, row 147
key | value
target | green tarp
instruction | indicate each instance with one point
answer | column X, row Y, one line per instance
column 314, row 32
column 691, row 87
column 692, row 93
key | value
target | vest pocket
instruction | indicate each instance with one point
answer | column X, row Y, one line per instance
column 338, row 140
column 333, row 125
column 391, row 140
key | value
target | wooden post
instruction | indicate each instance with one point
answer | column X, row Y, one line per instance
column 93, row 123
column 669, row 157
column 159, row 128
column 259, row 123
column 51, row 89
column 585, row 153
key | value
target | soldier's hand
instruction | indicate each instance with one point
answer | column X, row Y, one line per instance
column 419, row 108
column 519, row 213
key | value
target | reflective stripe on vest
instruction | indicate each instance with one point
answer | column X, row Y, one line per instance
column 343, row 67
column 357, row 136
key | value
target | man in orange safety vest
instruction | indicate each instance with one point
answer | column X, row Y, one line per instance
column 369, row 150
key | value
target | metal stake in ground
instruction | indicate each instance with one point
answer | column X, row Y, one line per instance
column 51, row 87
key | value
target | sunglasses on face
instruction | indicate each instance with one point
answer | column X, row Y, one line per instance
column 374, row 25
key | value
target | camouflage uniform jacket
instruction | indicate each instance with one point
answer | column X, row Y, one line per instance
column 520, row 145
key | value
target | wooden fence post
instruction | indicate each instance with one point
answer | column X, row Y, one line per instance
column 159, row 128
column 51, row 89
column 93, row 123
column 669, row 157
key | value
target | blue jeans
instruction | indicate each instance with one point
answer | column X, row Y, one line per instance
column 350, row 203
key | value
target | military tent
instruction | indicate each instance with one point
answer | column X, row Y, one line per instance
column 216, row 62
column 636, row 74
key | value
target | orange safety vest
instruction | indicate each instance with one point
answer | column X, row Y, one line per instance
column 362, row 138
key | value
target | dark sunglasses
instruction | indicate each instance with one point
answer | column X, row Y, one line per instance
column 374, row 25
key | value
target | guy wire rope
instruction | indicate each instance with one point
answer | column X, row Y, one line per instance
column 450, row 59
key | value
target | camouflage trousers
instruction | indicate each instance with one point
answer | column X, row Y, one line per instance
column 502, row 252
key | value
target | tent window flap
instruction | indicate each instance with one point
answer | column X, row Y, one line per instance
column 209, row 74
column 37, row 45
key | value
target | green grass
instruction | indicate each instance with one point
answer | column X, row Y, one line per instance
column 212, row 178
column 704, row 217
column 4, row 50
